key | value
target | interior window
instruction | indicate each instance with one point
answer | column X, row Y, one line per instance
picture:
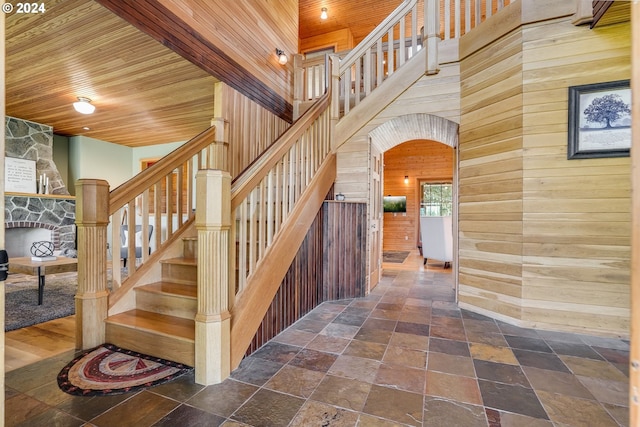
column 436, row 199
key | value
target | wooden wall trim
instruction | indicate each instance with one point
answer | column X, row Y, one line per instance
column 160, row 23
column 634, row 383
column 600, row 7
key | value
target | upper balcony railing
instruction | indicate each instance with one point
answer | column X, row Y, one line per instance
column 414, row 25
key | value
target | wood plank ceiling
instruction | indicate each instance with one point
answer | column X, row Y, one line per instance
column 145, row 93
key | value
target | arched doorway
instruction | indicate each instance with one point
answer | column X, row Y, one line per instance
column 385, row 137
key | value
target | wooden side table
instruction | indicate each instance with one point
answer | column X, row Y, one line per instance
column 26, row 265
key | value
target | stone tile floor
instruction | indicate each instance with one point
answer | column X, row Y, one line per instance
column 405, row 355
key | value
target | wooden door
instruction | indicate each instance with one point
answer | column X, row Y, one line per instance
column 375, row 218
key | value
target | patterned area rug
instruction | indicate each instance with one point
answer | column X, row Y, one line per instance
column 108, row 370
column 396, row 257
column 21, row 299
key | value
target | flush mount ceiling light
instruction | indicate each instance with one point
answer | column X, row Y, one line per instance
column 282, row 57
column 323, row 13
column 84, row 106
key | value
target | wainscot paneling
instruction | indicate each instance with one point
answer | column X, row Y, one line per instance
column 421, row 161
column 345, row 255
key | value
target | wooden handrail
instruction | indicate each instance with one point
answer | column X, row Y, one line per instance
column 138, row 184
column 379, row 32
column 252, row 175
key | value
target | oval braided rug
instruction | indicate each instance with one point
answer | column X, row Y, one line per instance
column 108, row 369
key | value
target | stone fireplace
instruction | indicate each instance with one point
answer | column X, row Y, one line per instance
column 24, row 213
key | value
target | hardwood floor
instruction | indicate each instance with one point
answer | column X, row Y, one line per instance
column 31, row 344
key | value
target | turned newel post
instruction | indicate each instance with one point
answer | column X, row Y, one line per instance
column 92, row 218
column 213, row 323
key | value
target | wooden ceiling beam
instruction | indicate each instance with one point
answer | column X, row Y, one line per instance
column 160, row 23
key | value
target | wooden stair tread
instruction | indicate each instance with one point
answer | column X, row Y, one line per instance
column 171, row 288
column 158, row 323
column 180, row 260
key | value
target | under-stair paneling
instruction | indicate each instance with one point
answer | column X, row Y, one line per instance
column 490, row 178
column 330, row 265
column 577, row 213
column 299, row 292
column 345, row 256
column 420, row 161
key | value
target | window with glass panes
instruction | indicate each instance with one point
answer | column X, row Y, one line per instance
column 436, row 199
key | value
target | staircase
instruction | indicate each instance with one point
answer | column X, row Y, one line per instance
column 272, row 204
column 162, row 323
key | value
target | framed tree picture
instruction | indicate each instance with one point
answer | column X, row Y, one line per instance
column 599, row 120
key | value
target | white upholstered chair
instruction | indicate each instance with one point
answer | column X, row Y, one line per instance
column 436, row 235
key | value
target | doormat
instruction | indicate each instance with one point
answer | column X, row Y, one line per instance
column 397, row 257
column 107, row 370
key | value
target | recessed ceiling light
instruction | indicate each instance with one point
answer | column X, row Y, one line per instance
column 86, row 128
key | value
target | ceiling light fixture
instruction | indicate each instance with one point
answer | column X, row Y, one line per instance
column 84, row 106
column 323, row 13
column 282, row 57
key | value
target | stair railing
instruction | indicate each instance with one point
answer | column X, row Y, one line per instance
column 267, row 191
column 157, row 204
column 379, row 55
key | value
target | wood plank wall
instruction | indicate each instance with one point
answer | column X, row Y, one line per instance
column 577, row 213
column 421, row 161
column 329, row 265
column 543, row 240
column 233, row 28
column 345, row 256
column 252, row 128
column 340, row 40
column 438, row 95
column 490, row 178
column 223, row 45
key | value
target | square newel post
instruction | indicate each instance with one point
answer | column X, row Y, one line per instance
column 213, row 322
column 92, row 218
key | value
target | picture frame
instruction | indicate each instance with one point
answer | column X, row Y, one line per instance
column 599, row 120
